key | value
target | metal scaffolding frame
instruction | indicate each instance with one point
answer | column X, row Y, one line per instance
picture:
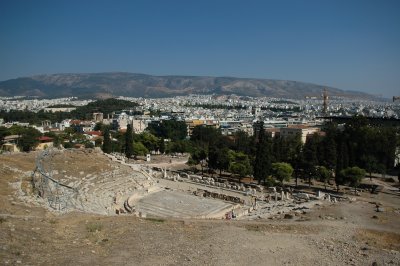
column 58, row 195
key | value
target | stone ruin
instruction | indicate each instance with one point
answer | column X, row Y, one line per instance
column 221, row 196
column 119, row 191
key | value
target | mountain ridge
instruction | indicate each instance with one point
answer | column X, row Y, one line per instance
column 144, row 85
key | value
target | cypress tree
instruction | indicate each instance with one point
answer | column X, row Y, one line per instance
column 129, row 141
column 330, row 155
column 310, row 157
column 277, row 148
column 162, row 145
column 107, row 141
column 262, row 162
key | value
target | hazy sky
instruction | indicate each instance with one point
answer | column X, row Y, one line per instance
column 351, row 45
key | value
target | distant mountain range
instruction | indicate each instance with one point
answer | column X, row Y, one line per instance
column 103, row 85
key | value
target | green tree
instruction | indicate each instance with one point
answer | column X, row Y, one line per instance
column 68, row 145
column 99, row 126
column 262, row 162
column 129, row 141
column 239, row 164
column 118, row 141
column 162, row 145
column 381, row 168
column 107, row 106
column 33, row 118
column 139, row 149
column 242, row 142
column 370, row 164
column 286, row 149
column 3, row 133
column 57, row 139
column 218, row 158
column 179, row 146
column 150, row 141
column 353, row 176
column 362, row 139
column 176, row 130
column 282, row 171
column 213, row 158
column 310, row 157
column 342, row 154
column 294, row 156
column 205, row 137
column 16, row 130
column 97, row 142
column 384, row 146
column 28, row 140
column 199, row 156
column 323, row 174
column 88, row 144
column 340, row 179
column 329, row 146
column 107, row 145
column 168, row 129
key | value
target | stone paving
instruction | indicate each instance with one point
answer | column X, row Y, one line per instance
column 168, row 203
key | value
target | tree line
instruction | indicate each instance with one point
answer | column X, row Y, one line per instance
column 341, row 153
column 168, row 136
column 106, row 107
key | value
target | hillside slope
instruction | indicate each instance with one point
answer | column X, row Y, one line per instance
column 141, row 85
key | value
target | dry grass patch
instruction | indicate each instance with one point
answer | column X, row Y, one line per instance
column 379, row 239
column 155, row 220
column 282, row 228
column 94, row 227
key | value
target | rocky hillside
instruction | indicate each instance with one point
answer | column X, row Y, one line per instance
column 141, row 85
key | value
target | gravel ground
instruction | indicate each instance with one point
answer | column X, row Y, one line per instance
column 346, row 233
